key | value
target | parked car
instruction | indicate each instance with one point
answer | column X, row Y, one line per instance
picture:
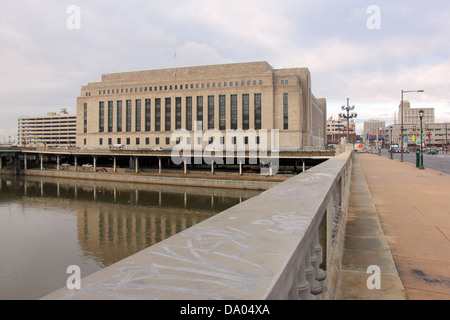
column 433, row 151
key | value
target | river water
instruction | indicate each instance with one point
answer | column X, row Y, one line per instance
column 47, row 225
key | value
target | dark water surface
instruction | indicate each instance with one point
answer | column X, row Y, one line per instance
column 47, row 225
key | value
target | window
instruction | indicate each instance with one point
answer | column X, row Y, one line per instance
column 138, row 115
column 189, row 113
column 119, row 116
column 119, row 140
column 156, row 141
column 200, row 113
column 138, row 141
column 222, row 112
column 210, row 112
column 257, row 111
column 168, row 114
column 178, row 113
column 285, row 111
column 101, row 116
column 128, row 141
column 147, row 141
column 100, row 141
column 167, row 140
column 85, row 118
column 110, row 116
column 233, row 115
column 147, row 115
column 128, row 115
column 157, row 114
column 245, row 112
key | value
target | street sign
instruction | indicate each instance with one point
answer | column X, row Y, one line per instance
column 418, row 142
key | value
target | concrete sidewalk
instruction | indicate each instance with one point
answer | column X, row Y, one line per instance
column 413, row 207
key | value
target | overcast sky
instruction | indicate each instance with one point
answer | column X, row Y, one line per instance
column 365, row 50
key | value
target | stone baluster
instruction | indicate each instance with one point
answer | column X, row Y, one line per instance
column 303, row 285
column 316, row 260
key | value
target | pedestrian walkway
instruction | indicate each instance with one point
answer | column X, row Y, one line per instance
column 365, row 245
column 413, row 207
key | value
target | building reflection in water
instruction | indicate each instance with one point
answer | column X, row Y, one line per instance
column 115, row 220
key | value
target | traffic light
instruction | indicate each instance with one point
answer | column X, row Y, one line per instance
column 414, row 128
column 411, row 134
column 426, row 127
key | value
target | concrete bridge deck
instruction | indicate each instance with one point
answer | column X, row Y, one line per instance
column 397, row 210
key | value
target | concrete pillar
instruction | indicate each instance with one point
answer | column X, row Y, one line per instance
column 304, row 166
column 240, row 167
column 185, row 166
column 136, row 165
column 25, row 161
column 76, row 163
column 95, row 164
column 159, row 167
column 270, row 169
column 212, row 168
column 115, row 165
column 57, row 162
column 1, row 163
column 42, row 162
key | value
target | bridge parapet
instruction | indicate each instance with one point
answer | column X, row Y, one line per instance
column 264, row 248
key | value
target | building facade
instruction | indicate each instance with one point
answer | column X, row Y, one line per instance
column 54, row 129
column 411, row 115
column 434, row 134
column 337, row 130
column 142, row 109
column 373, row 127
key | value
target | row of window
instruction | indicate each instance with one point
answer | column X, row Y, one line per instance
column 224, row 84
column 180, row 87
column 158, row 141
column 112, row 114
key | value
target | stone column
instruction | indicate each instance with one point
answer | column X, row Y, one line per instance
column 57, row 163
column 42, row 162
column 76, row 163
column 95, row 164
column 115, row 164
column 159, row 167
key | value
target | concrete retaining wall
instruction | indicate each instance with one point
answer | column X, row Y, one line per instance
column 153, row 179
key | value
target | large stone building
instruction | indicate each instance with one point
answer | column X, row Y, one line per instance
column 142, row 109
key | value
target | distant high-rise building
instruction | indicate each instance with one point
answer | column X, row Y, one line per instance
column 53, row 129
column 411, row 115
column 373, row 127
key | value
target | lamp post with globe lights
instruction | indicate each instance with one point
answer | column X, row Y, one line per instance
column 348, row 116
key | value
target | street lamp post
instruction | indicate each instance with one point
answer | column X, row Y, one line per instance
column 401, row 129
column 421, row 139
column 348, row 116
column 390, row 141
